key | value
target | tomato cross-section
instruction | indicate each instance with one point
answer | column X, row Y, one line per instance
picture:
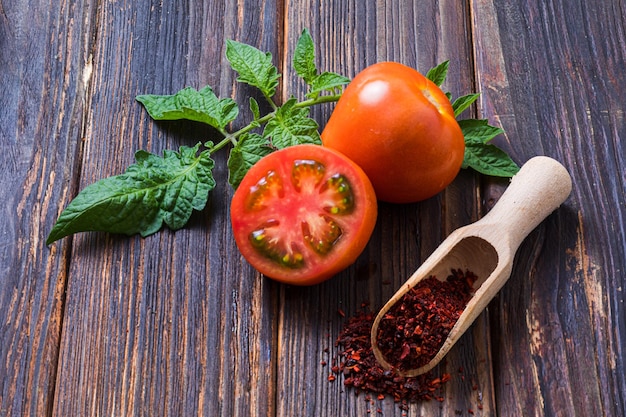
column 303, row 214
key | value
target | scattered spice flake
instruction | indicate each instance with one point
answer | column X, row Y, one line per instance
column 362, row 372
column 415, row 328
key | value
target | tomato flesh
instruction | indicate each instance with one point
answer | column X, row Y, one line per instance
column 319, row 230
column 303, row 214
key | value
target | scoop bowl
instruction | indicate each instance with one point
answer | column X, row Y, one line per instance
column 487, row 247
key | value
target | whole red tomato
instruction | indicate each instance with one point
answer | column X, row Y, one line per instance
column 302, row 214
column 400, row 128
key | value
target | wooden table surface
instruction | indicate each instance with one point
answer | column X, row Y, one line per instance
column 178, row 324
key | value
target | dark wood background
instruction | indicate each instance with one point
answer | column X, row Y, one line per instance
column 178, row 324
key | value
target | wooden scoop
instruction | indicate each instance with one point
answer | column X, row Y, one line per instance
column 487, row 247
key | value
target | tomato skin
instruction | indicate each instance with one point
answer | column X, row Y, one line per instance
column 302, row 214
column 400, row 128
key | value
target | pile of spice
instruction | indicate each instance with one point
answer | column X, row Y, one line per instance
column 411, row 333
column 361, row 371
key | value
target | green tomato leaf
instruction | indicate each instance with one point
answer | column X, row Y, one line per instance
column 439, row 73
column 479, row 130
column 489, row 160
column 254, row 107
column 153, row 191
column 480, row 155
column 304, row 57
column 200, row 106
column 304, row 64
column 462, row 103
column 292, row 126
column 249, row 150
column 255, row 67
column 327, row 81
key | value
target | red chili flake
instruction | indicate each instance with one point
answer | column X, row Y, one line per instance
column 362, row 372
column 415, row 328
column 341, row 312
column 331, row 377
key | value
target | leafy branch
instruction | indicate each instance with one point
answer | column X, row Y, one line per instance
column 157, row 190
column 480, row 155
column 165, row 190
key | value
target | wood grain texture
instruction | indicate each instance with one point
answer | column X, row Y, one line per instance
column 552, row 76
column 178, row 324
column 174, row 324
column 352, row 36
column 44, row 54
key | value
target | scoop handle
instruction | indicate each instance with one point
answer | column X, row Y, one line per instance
column 540, row 186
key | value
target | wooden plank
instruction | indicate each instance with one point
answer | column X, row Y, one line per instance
column 349, row 36
column 552, row 75
column 44, row 58
column 179, row 324
column 174, row 324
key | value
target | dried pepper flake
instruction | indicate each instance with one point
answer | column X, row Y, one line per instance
column 411, row 333
column 362, row 372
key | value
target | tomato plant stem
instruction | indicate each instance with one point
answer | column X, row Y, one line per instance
column 231, row 138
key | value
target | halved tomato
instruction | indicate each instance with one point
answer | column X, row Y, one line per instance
column 302, row 214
